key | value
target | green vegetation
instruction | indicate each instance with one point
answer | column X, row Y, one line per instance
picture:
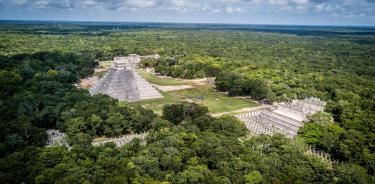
column 237, row 84
column 100, row 74
column 215, row 101
column 42, row 86
column 155, row 104
column 161, row 81
column 186, row 69
column 40, row 63
column 105, row 64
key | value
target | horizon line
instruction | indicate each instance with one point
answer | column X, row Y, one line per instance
column 202, row 23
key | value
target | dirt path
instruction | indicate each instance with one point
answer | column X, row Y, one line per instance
column 88, row 82
column 200, row 81
column 173, row 88
column 243, row 110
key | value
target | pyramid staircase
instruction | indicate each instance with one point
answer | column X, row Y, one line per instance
column 145, row 89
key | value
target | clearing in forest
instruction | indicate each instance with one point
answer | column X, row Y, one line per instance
column 201, row 92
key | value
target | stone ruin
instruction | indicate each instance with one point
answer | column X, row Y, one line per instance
column 285, row 118
column 120, row 141
column 124, row 83
column 55, row 137
column 324, row 157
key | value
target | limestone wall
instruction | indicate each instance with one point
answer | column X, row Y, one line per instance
column 120, row 141
column 55, row 137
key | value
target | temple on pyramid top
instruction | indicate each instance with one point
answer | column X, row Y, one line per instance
column 131, row 62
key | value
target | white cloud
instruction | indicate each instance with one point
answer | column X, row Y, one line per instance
column 179, row 3
column 141, row 3
column 20, row 2
column 233, row 10
column 301, row 2
column 216, row 11
column 228, row 1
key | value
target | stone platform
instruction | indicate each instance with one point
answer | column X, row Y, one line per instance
column 285, row 118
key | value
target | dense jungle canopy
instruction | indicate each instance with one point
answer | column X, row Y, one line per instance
column 40, row 62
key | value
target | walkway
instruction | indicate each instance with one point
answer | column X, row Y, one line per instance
column 243, row 110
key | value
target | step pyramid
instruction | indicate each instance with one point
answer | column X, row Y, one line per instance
column 125, row 85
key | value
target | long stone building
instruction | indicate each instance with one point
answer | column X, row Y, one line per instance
column 124, row 83
column 57, row 138
column 285, row 118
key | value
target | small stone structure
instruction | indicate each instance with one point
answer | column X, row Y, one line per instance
column 285, row 118
column 55, row 137
column 120, row 141
column 124, row 83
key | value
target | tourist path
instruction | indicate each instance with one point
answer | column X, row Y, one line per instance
column 172, row 88
column 243, row 110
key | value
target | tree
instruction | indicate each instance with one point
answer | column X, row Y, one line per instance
column 212, row 70
column 228, row 80
column 81, row 140
column 176, row 113
column 322, row 118
column 142, row 120
column 10, row 82
column 261, row 90
column 253, row 177
column 14, row 141
column 229, row 126
column 352, row 173
column 76, row 125
column 194, row 175
column 115, row 125
column 312, row 133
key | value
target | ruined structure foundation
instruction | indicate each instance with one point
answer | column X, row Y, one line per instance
column 285, row 118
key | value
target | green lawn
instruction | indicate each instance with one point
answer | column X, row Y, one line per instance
column 106, row 64
column 215, row 101
column 157, row 104
column 158, row 81
column 100, row 74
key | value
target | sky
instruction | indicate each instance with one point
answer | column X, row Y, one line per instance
column 291, row 12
